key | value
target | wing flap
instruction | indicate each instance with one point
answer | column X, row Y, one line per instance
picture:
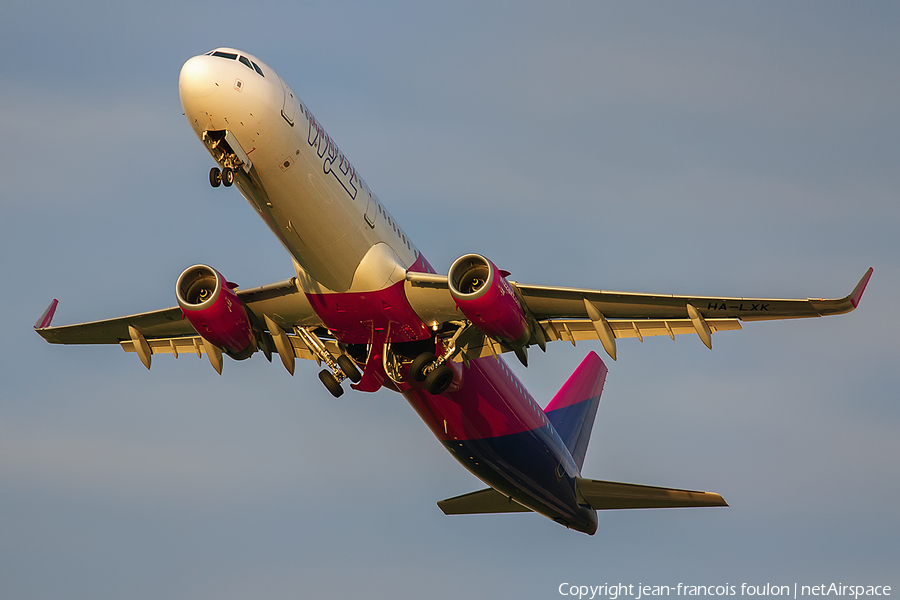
column 583, row 329
column 193, row 344
column 578, row 330
column 612, row 495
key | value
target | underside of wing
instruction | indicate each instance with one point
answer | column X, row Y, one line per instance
column 572, row 314
column 281, row 299
column 166, row 331
column 555, row 302
column 159, row 323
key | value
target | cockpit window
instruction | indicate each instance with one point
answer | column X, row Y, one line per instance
column 232, row 56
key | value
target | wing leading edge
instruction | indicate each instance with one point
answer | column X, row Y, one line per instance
column 556, row 302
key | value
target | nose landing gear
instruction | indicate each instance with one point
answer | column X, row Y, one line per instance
column 224, row 177
column 228, row 153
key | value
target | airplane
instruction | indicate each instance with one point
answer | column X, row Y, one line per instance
column 365, row 302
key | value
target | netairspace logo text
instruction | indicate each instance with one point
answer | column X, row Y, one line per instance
column 646, row 592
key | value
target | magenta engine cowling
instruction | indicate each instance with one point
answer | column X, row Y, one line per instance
column 214, row 309
column 487, row 299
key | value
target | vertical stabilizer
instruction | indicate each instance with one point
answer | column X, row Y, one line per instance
column 574, row 406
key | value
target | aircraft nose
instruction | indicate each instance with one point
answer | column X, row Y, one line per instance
column 197, row 79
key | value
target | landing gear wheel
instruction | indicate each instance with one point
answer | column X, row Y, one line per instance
column 227, row 176
column 327, row 378
column 417, row 368
column 215, row 177
column 439, row 380
column 349, row 368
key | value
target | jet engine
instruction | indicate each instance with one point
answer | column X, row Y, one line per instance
column 214, row 309
column 487, row 299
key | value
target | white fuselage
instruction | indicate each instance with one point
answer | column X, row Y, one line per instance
column 339, row 235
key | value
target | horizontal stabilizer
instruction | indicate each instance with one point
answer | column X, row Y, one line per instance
column 610, row 495
column 480, row 502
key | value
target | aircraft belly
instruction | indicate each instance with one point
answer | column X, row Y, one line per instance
column 358, row 317
column 525, row 466
column 315, row 228
column 490, row 403
column 308, row 193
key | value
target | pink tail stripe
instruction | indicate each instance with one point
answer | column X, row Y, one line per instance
column 586, row 382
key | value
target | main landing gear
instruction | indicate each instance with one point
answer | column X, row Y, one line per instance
column 340, row 368
column 437, row 375
column 347, row 370
column 435, row 371
column 224, row 177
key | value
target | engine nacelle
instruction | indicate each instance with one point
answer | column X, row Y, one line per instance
column 214, row 309
column 487, row 299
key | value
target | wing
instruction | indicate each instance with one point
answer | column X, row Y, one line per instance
column 573, row 315
column 167, row 332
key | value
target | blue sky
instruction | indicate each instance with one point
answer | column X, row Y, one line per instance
column 709, row 148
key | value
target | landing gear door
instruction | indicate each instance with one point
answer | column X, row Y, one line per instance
column 371, row 209
column 289, row 109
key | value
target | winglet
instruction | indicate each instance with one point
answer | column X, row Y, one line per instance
column 843, row 305
column 47, row 317
column 857, row 293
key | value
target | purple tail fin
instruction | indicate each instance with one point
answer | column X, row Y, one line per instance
column 574, row 406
